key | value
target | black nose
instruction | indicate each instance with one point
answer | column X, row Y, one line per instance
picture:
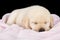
column 41, row 30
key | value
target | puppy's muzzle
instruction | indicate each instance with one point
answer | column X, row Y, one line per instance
column 41, row 30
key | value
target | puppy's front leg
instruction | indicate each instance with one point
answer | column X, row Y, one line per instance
column 25, row 22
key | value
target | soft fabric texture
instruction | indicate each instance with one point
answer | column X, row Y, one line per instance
column 15, row 32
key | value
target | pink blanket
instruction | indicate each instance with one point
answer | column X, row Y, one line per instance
column 15, row 32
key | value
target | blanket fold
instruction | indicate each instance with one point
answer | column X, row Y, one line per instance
column 15, row 32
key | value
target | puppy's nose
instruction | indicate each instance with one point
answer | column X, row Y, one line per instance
column 41, row 30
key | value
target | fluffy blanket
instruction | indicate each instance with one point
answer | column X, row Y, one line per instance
column 15, row 32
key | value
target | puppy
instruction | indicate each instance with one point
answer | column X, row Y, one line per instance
column 34, row 17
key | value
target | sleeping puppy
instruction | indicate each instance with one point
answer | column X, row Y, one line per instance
column 34, row 17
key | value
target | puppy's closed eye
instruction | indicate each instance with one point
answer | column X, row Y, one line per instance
column 35, row 22
column 45, row 22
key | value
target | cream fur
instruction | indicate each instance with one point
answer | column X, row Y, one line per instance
column 28, row 17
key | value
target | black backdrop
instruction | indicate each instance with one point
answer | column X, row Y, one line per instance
column 7, row 6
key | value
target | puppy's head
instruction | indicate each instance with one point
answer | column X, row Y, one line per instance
column 41, row 24
column 39, row 19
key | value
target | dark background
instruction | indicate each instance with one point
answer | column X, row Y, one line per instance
column 7, row 6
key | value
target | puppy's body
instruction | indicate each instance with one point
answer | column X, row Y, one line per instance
column 16, row 16
column 34, row 17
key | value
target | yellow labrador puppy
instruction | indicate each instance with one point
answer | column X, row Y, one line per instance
column 34, row 17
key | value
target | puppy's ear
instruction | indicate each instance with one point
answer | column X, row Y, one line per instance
column 25, row 22
column 51, row 22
